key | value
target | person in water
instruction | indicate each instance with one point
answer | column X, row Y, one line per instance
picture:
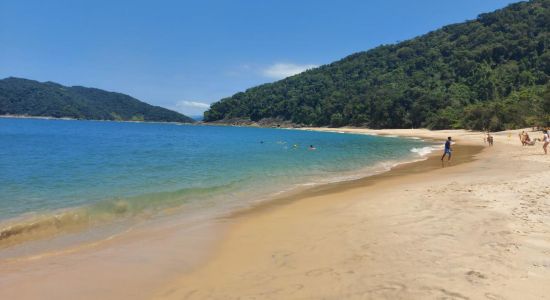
column 448, row 149
column 311, row 147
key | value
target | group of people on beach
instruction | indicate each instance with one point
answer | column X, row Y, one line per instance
column 523, row 137
column 526, row 140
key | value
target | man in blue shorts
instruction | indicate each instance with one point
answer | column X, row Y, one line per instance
column 447, row 150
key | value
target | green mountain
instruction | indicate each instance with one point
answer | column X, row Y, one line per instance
column 32, row 98
column 488, row 73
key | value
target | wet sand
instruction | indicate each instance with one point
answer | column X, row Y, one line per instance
column 129, row 265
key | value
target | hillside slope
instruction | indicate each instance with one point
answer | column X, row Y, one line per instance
column 488, row 73
column 28, row 97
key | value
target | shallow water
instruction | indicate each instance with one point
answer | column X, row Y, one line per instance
column 75, row 174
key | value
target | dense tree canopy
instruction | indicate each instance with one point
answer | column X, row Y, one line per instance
column 28, row 97
column 489, row 73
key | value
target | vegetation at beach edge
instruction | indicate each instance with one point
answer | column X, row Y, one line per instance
column 489, row 73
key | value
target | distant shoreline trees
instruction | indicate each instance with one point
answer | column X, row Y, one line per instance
column 47, row 99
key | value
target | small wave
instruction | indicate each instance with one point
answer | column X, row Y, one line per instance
column 42, row 226
column 308, row 184
column 423, row 151
column 50, row 224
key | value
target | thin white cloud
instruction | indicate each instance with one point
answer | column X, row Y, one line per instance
column 283, row 70
column 191, row 107
column 192, row 104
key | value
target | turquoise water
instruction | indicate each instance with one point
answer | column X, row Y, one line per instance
column 127, row 169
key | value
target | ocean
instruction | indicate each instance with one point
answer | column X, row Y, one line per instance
column 63, row 175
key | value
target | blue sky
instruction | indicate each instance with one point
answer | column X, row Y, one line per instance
column 184, row 55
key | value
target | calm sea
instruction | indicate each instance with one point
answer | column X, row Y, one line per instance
column 103, row 171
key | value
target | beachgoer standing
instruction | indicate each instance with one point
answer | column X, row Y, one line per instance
column 448, row 149
column 546, row 140
column 490, row 139
column 522, row 138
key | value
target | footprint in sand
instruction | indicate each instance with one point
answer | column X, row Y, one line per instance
column 317, row 272
column 448, row 294
column 390, row 288
column 281, row 258
column 287, row 290
column 492, row 296
column 358, row 258
column 475, row 276
column 321, row 272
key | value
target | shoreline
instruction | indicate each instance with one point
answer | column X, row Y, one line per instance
column 475, row 230
column 94, row 120
column 35, row 259
column 219, row 238
column 429, row 163
column 36, row 228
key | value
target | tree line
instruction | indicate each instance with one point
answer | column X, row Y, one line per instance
column 20, row 96
column 489, row 73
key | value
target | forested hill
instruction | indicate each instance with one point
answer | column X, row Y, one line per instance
column 488, row 73
column 32, row 98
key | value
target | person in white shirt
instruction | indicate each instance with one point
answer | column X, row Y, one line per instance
column 546, row 141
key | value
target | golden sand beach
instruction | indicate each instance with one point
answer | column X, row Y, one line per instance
column 478, row 230
column 475, row 228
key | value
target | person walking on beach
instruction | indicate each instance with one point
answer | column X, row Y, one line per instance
column 546, row 141
column 447, row 150
column 490, row 139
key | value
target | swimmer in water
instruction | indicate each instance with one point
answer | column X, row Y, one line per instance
column 311, row 147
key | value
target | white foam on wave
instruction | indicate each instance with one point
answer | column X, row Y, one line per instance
column 423, row 151
column 375, row 169
column 307, row 184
